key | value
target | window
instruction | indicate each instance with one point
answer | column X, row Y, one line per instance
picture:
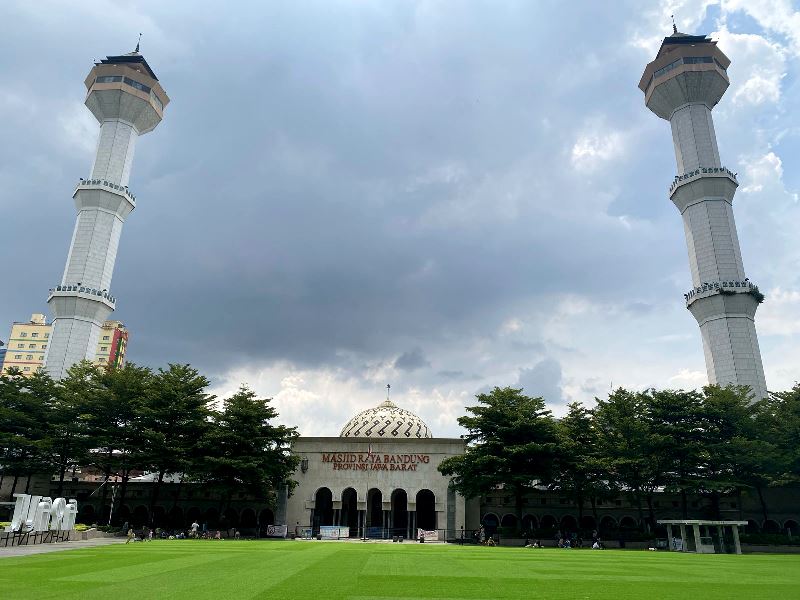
column 105, row 338
column 46, row 335
column 29, row 357
column 26, row 369
column 23, row 334
column 109, row 79
column 695, row 60
column 20, row 345
column 18, row 357
column 34, row 335
column 32, row 346
column 136, row 85
column 103, row 348
column 44, row 346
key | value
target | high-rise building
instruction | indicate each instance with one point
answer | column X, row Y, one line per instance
column 2, row 354
column 112, row 344
column 126, row 98
column 682, row 85
column 27, row 345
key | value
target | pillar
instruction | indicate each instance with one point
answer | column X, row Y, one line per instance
column 736, row 544
column 696, row 530
column 669, row 537
column 721, row 535
column 683, row 538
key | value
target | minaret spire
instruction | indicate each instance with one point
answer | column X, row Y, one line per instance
column 674, row 29
column 138, row 42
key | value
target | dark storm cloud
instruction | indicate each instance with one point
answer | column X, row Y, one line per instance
column 543, row 380
column 411, row 360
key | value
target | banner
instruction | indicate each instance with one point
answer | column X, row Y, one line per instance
column 333, row 532
column 429, row 536
column 276, row 531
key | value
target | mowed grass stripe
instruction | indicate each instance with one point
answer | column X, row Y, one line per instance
column 354, row 571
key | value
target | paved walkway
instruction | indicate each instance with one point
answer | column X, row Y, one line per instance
column 13, row 551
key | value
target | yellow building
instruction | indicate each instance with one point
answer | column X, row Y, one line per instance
column 27, row 345
column 112, row 344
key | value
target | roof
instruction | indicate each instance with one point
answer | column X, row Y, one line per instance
column 130, row 58
column 682, row 38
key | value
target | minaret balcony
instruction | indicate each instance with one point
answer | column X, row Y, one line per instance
column 82, row 291
column 700, row 172
column 725, row 288
column 102, row 184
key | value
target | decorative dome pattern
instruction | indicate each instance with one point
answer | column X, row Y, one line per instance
column 386, row 421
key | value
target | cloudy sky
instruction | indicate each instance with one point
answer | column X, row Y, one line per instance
column 444, row 196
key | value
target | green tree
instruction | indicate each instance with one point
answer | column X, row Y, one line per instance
column 626, row 445
column 244, row 451
column 511, row 442
column 675, row 441
column 581, row 474
column 116, row 424
column 68, row 440
column 783, row 427
column 176, row 417
column 23, row 425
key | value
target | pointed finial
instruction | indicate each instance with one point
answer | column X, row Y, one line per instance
column 388, row 389
column 138, row 42
column 674, row 27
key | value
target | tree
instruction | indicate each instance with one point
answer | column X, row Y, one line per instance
column 244, row 451
column 580, row 474
column 68, row 442
column 735, row 455
column 115, row 423
column 176, row 417
column 783, row 426
column 626, row 445
column 676, row 441
column 511, row 442
column 23, row 425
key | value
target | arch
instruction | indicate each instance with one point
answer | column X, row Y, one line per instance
column 247, row 519
column 176, row 518
column 490, row 522
column 529, row 524
column 791, row 527
column 588, row 523
column 211, row 518
column 426, row 510
column 349, row 515
column 140, row 516
column 607, row 524
column 399, row 519
column 159, row 516
column 86, row 514
column 374, row 513
column 509, row 520
column 548, row 522
column 627, row 522
column 231, row 518
column 569, row 524
column 752, row 527
column 770, row 526
column 266, row 517
column 194, row 515
column 323, row 509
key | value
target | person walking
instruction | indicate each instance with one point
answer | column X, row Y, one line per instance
column 131, row 536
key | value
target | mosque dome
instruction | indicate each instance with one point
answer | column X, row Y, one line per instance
column 386, row 421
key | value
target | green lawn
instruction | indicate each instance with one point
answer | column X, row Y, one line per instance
column 323, row 570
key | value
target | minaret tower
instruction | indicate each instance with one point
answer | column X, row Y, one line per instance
column 682, row 85
column 126, row 98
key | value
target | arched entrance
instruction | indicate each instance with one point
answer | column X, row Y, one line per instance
column 426, row 510
column 176, row 518
column 588, row 523
column 607, row 525
column 399, row 519
column 509, row 523
column 569, row 524
column 549, row 523
column 248, row 519
column 323, row 509
column 375, row 515
column 140, row 516
column 529, row 524
column 349, row 514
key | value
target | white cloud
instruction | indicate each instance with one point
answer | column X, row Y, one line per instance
column 777, row 16
column 766, row 170
column 597, row 147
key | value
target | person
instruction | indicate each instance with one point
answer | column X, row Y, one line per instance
column 131, row 536
column 218, row 535
column 538, row 544
column 236, row 534
column 490, row 541
column 195, row 527
column 567, row 544
column 150, row 535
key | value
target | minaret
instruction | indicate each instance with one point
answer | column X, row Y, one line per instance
column 682, row 85
column 126, row 98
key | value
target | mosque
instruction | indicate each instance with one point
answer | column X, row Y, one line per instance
column 379, row 478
